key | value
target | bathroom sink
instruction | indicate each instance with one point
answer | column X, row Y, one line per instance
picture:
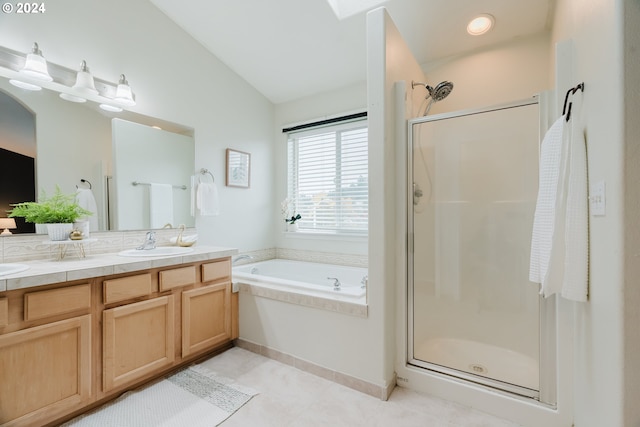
column 159, row 251
column 12, row 268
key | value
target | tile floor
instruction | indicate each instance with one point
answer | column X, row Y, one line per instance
column 289, row 397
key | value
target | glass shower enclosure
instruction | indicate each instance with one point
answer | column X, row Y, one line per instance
column 473, row 178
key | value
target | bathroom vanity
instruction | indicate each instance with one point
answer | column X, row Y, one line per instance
column 103, row 326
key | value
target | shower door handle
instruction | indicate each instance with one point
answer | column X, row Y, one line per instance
column 417, row 193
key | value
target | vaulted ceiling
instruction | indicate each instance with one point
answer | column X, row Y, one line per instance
column 289, row 49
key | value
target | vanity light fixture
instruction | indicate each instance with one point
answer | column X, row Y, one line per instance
column 111, row 108
column 35, row 67
column 32, row 72
column 24, row 85
column 123, row 93
column 481, row 24
column 84, row 85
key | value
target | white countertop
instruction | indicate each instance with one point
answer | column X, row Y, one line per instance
column 48, row 271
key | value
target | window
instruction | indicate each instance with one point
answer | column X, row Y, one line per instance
column 328, row 178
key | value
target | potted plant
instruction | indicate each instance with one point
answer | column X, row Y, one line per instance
column 59, row 212
column 286, row 210
column 293, row 226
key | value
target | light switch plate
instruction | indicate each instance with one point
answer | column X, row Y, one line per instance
column 598, row 199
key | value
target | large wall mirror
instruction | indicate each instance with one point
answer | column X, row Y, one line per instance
column 74, row 146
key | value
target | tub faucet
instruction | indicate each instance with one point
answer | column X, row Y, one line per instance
column 149, row 241
column 336, row 283
column 241, row 257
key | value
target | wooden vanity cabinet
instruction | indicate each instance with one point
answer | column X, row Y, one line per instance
column 186, row 312
column 72, row 345
column 206, row 317
column 207, row 309
column 138, row 340
column 45, row 354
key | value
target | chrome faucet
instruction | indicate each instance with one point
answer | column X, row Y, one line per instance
column 149, row 242
column 241, row 257
column 336, row 283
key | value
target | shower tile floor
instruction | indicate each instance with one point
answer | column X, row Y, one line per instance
column 289, row 397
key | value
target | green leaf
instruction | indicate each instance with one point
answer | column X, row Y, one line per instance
column 59, row 208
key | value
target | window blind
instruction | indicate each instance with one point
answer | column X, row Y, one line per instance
column 328, row 178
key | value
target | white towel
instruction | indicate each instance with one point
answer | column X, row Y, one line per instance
column 559, row 246
column 192, row 204
column 86, row 200
column 160, row 205
column 207, row 199
column 544, row 218
column 576, row 232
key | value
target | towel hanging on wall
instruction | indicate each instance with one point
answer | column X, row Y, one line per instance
column 559, row 244
column 207, row 199
column 86, row 200
column 545, row 214
column 204, row 195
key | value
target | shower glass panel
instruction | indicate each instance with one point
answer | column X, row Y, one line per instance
column 473, row 186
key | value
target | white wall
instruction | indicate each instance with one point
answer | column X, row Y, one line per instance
column 391, row 67
column 631, row 16
column 504, row 73
column 177, row 80
column 17, row 125
column 600, row 373
column 310, row 109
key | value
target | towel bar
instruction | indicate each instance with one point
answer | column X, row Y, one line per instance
column 182, row 187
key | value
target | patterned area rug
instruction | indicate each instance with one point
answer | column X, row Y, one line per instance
column 193, row 397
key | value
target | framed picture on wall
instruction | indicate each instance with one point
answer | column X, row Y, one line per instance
column 238, row 168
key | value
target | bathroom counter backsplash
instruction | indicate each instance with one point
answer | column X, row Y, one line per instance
column 101, row 257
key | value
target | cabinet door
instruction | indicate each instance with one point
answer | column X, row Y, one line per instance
column 138, row 340
column 206, row 317
column 45, row 371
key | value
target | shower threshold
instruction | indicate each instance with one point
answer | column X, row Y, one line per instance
column 480, row 363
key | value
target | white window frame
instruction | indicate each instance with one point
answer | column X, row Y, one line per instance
column 342, row 227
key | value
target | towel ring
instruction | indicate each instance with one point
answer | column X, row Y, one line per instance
column 571, row 91
column 84, row 181
column 204, row 171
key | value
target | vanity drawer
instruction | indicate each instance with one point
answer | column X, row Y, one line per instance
column 216, row 270
column 54, row 302
column 177, row 277
column 125, row 288
column 4, row 312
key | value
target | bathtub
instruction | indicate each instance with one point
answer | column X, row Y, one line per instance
column 304, row 277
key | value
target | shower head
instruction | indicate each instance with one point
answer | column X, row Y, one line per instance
column 441, row 91
column 438, row 93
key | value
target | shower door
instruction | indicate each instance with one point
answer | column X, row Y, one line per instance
column 472, row 192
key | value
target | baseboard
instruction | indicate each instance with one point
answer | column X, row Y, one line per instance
column 380, row 392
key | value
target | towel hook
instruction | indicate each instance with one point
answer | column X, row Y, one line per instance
column 84, row 181
column 204, row 171
column 571, row 91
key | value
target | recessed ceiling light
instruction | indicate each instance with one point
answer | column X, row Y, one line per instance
column 480, row 24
